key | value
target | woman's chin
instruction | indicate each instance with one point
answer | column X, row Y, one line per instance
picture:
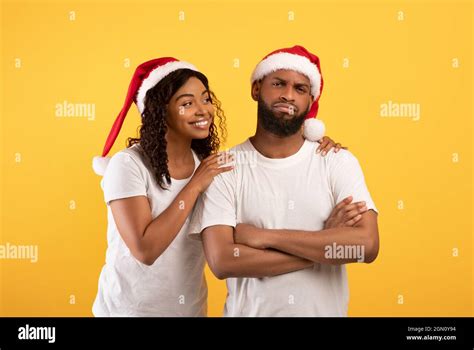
column 199, row 135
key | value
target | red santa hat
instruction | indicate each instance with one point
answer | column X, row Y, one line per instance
column 146, row 76
column 299, row 59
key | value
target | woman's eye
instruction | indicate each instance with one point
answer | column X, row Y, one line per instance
column 187, row 104
column 208, row 100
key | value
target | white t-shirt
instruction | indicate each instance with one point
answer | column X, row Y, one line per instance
column 297, row 192
column 175, row 284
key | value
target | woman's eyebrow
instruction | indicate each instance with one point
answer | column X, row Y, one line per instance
column 184, row 95
column 191, row 95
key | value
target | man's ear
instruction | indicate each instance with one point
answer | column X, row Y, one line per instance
column 256, row 90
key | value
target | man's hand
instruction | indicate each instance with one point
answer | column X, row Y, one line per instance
column 249, row 235
column 345, row 214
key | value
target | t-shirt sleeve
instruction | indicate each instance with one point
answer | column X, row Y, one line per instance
column 347, row 179
column 216, row 206
column 123, row 178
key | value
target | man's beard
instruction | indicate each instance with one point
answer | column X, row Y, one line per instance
column 279, row 125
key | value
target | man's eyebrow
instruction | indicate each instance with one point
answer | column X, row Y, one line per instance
column 302, row 85
column 279, row 79
column 296, row 84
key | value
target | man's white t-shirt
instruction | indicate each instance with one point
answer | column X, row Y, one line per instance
column 175, row 284
column 298, row 192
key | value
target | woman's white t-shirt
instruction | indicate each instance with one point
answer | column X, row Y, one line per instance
column 175, row 284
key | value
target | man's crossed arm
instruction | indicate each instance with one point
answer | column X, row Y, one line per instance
column 247, row 251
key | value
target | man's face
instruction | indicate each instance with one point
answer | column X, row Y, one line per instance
column 284, row 99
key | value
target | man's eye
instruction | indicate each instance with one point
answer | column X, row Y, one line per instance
column 276, row 84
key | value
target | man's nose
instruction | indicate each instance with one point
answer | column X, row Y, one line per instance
column 287, row 95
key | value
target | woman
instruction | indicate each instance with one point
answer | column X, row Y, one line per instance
column 152, row 268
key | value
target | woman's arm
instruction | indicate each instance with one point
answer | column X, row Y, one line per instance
column 148, row 238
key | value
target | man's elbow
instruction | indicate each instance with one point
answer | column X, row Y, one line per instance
column 143, row 254
column 371, row 250
column 144, row 258
column 220, row 273
column 219, row 265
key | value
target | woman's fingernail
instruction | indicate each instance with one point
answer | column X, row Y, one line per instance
column 324, row 153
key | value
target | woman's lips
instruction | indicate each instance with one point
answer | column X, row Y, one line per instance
column 201, row 124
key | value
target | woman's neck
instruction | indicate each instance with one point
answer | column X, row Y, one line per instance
column 178, row 149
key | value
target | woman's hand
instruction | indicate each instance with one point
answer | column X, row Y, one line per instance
column 326, row 144
column 209, row 168
column 345, row 214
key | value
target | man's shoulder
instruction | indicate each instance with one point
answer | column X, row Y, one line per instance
column 241, row 152
column 340, row 163
column 342, row 155
column 331, row 158
column 243, row 146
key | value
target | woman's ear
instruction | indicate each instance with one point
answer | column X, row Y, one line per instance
column 255, row 90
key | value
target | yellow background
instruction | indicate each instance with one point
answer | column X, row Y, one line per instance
column 423, row 194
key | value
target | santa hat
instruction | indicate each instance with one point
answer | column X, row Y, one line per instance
column 146, row 76
column 299, row 59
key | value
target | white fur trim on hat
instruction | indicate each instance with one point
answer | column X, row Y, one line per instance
column 285, row 60
column 99, row 164
column 313, row 129
column 155, row 76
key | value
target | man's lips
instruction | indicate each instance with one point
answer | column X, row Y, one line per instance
column 285, row 108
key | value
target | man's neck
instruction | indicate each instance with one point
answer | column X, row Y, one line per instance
column 273, row 146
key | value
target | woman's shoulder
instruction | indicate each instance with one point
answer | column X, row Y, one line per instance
column 129, row 158
column 133, row 151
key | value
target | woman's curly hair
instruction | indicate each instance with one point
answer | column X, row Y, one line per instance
column 153, row 129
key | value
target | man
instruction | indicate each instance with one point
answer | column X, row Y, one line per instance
column 264, row 225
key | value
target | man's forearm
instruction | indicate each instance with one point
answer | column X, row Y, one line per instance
column 324, row 246
column 237, row 260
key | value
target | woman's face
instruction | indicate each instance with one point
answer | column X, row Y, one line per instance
column 190, row 111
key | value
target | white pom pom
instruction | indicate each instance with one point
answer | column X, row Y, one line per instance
column 314, row 129
column 99, row 164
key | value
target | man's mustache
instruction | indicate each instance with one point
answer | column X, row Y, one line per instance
column 285, row 104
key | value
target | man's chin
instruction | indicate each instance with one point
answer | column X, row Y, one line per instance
column 283, row 115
